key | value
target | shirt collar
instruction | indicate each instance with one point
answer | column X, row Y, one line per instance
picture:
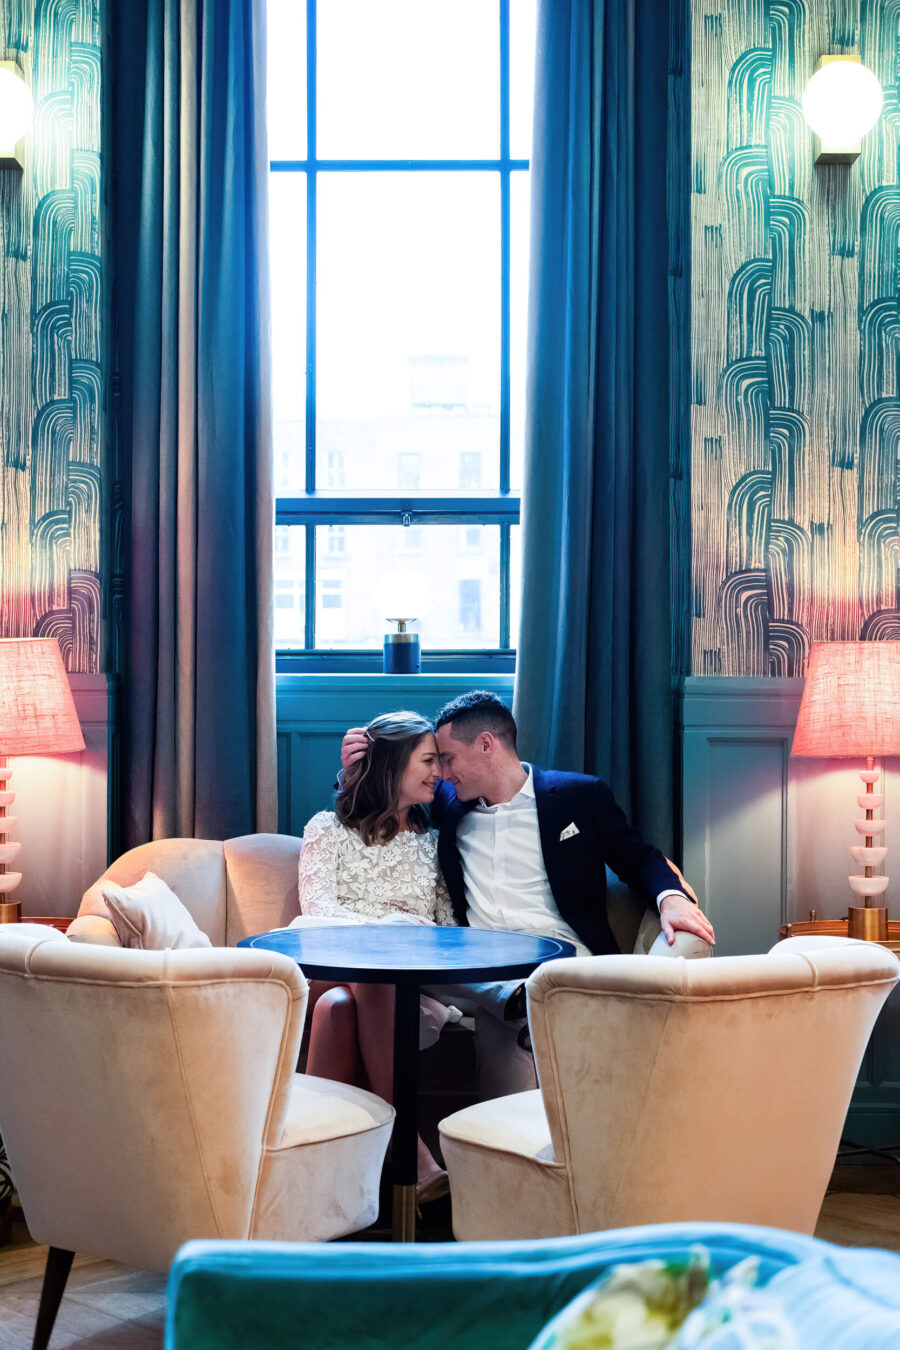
column 526, row 790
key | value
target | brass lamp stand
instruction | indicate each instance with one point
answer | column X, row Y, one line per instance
column 10, row 910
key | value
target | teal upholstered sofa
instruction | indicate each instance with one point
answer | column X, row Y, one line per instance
column 498, row 1296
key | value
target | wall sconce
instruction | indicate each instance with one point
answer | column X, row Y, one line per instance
column 16, row 114
column 841, row 102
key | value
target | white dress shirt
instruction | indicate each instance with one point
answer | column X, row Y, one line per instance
column 504, row 873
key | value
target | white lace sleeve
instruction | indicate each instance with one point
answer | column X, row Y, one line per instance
column 318, row 870
column 443, row 906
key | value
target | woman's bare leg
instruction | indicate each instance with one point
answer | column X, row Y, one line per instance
column 333, row 1043
column 316, row 989
column 375, row 1029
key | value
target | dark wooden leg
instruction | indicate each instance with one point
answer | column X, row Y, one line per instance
column 56, row 1272
column 404, row 1156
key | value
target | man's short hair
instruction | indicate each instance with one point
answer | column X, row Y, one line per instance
column 477, row 711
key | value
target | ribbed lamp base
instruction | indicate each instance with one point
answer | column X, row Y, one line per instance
column 869, row 923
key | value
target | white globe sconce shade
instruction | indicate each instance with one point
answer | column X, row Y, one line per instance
column 16, row 114
column 841, row 103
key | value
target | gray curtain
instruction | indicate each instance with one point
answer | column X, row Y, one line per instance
column 194, row 520
column 594, row 688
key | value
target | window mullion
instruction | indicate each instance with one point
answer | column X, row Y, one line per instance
column 310, row 595
column 311, row 216
column 311, row 194
column 504, row 585
column 505, row 258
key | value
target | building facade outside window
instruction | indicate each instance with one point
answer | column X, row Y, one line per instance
column 399, row 262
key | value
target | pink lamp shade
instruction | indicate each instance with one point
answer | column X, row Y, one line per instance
column 37, row 711
column 851, row 701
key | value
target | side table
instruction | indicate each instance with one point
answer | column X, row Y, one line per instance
column 60, row 921
column 836, row 928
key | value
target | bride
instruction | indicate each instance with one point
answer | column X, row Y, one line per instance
column 374, row 860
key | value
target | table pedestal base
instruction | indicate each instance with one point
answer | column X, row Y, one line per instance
column 403, row 1215
column 404, row 1155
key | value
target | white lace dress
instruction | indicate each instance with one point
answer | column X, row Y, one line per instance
column 343, row 880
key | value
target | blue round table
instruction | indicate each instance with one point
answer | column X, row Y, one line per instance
column 408, row 956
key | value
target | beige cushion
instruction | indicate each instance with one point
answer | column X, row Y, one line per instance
column 150, row 917
column 193, row 868
column 673, row 1090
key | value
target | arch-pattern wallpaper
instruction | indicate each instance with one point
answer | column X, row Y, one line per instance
column 795, row 341
column 51, row 331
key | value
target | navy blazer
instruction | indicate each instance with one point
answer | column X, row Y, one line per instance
column 576, row 866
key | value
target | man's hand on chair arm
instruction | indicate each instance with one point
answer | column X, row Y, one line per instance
column 679, row 914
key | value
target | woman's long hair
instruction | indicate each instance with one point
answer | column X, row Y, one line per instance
column 370, row 793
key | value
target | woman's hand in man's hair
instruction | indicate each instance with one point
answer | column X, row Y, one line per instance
column 353, row 746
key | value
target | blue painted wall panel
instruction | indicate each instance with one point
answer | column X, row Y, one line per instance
column 314, row 711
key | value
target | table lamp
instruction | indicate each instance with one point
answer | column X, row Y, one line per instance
column 401, row 598
column 851, row 710
column 37, row 717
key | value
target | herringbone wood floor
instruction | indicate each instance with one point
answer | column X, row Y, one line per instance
column 107, row 1306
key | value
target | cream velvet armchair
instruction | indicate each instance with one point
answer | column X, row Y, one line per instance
column 503, row 1066
column 673, row 1091
column 150, row 1097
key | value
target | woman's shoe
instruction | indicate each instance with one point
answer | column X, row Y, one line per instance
column 516, row 1007
column 433, row 1189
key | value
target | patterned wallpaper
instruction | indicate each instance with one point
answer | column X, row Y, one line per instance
column 51, row 336
column 795, row 341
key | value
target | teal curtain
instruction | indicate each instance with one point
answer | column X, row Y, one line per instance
column 594, row 688
column 193, row 518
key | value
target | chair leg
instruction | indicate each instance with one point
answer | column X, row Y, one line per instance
column 56, row 1272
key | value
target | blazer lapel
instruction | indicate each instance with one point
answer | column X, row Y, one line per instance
column 448, row 855
column 548, row 828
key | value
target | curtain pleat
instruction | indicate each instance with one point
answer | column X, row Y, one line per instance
column 593, row 684
column 194, row 418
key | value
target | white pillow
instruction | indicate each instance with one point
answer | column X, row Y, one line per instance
column 149, row 916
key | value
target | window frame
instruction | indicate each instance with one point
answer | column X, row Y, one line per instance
column 321, row 507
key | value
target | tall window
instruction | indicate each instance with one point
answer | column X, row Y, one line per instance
column 399, row 136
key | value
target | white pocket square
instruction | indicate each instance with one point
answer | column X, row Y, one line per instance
column 569, row 832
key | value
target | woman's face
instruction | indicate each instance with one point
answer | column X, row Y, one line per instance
column 422, row 774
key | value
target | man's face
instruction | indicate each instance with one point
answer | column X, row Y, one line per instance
column 467, row 767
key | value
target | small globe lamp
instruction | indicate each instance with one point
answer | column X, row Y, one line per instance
column 401, row 598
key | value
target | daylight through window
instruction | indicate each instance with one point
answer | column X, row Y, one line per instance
column 399, row 142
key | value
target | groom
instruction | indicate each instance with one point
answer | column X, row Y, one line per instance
column 526, row 849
